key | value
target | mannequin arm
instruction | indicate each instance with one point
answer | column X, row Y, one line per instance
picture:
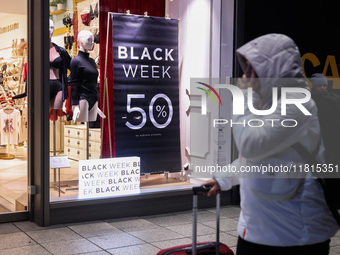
column 68, row 60
column 101, row 114
column 73, row 81
column 76, row 112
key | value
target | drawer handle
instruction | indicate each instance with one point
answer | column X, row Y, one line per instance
column 89, row 154
column 68, row 131
column 68, row 150
column 78, row 142
column 78, row 132
column 68, row 140
column 78, row 152
column 89, row 144
column 90, row 134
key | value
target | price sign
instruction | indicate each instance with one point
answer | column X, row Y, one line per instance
column 146, row 91
column 59, row 162
column 161, row 112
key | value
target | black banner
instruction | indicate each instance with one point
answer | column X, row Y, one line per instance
column 146, row 91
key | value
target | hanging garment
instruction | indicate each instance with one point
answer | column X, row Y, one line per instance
column 94, row 12
column 23, row 125
column 10, row 127
column 85, row 19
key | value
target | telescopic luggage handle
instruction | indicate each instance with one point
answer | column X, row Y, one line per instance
column 197, row 190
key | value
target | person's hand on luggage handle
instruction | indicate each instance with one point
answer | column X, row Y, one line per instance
column 215, row 187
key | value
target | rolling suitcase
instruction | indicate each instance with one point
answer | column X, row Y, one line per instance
column 205, row 248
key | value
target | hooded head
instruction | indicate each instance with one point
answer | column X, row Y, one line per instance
column 272, row 56
column 320, row 83
column 318, row 79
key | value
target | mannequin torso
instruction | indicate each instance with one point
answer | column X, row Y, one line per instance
column 54, row 72
column 83, row 80
column 59, row 62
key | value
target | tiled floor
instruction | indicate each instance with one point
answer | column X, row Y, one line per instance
column 140, row 235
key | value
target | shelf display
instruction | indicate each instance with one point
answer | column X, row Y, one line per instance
column 58, row 12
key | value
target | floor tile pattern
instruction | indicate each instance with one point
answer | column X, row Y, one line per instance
column 129, row 236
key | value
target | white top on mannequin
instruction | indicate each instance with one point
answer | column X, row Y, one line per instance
column 54, row 73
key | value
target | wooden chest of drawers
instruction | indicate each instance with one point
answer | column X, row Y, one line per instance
column 75, row 142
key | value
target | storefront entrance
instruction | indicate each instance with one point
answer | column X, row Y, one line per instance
column 14, row 111
column 39, row 191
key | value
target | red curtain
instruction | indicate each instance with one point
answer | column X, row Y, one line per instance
column 154, row 8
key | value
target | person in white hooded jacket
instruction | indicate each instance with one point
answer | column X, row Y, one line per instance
column 281, row 213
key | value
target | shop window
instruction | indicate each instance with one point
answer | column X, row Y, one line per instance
column 70, row 139
column 113, row 105
column 13, row 108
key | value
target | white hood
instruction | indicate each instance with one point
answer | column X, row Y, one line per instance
column 273, row 56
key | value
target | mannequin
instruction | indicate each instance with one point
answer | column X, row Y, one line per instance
column 59, row 63
column 21, row 47
column 83, row 81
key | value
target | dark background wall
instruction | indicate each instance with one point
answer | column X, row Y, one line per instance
column 312, row 24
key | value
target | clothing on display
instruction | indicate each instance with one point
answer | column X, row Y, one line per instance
column 62, row 65
column 83, row 79
column 55, row 113
column 94, row 13
column 55, row 87
column 10, row 127
column 24, row 124
column 24, row 78
column 68, row 41
column 85, row 18
column 95, row 31
column 68, row 103
column 21, row 46
column 96, row 37
column 57, row 63
column 67, row 20
column 75, row 25
column 24, row 75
